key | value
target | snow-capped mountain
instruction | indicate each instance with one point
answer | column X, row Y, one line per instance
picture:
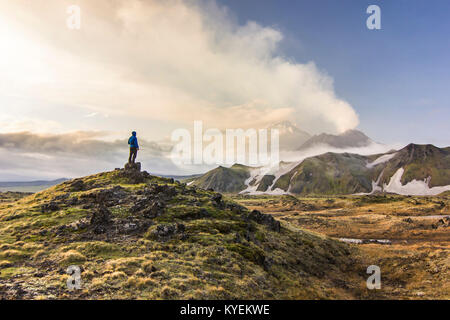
column 290, row 135
column 348, row 139
column 413, row 170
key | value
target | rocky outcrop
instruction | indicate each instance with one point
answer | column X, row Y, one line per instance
column 49, row 207
column 165, row 232
column 264, row 219
column 133, row 166
column 132, row 173
column 100, row 220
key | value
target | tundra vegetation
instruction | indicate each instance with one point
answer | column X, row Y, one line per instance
column 415, row 231
column 137, row 236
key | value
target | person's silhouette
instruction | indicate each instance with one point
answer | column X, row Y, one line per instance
column 134, row 147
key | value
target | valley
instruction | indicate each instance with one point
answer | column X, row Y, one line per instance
column 415, row 258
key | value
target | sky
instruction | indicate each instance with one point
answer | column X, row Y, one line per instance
column 396, row 78
column 69, row 98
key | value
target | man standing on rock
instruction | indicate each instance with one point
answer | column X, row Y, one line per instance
column 134, row 147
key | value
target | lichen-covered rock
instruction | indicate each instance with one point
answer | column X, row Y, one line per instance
column 265, row 219
column 77, row 185
column 49, row 207
column 133, row 166
column 100, row 219
column 165, row 232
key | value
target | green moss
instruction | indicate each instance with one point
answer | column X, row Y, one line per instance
column 100, row 249
column 120, row 212
column 215, row 226
column 13, row 271
column 249, row 252
column 72, row 257
column 13, row 255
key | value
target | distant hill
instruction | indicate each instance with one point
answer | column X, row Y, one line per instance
column 420, row 162
column 413, row 170
column 29, row 186
column 348, row 139
column 224, row 179
column 185, row 178
column 330, row 173
column 290, row 135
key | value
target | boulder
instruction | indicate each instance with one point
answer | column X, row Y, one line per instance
column 164, row 232
column 49, row 207
column 100, row 219
column 77, row 185
column 154, row 209
column 265, row 219
column 133, row 166
column 216, row 199
column 132, row 173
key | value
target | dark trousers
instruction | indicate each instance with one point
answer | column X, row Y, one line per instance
column 133, row 154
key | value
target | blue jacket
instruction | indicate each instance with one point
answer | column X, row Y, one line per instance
column 133, row 142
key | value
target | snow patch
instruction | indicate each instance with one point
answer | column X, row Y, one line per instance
column 365, row 241
column 257, row 174
column 413, row 188
column 382, row 159
column 375, row 187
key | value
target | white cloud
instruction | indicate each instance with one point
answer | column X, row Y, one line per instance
column 163, row 60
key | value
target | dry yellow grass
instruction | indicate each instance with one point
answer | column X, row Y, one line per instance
column 417, row 263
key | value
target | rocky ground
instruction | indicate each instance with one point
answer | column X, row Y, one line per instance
column 136, row 236
column 407, row 237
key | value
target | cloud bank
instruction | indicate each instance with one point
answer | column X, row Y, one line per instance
column 151, row 66
column 169, row 60
column 26, row 156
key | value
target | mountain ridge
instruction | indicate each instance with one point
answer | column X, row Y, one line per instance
column 348, row 139
column 422, row 169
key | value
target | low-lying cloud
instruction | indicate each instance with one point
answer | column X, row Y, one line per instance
column 28, row 156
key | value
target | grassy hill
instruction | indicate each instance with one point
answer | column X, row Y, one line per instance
column 347, row 139
column 225, row 179
column 329, row 173
column 420, row 162
column 143, row 237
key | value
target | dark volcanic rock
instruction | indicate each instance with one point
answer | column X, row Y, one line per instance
column 265, row 219
column 104, row 197
column 217, row 200
column 236, row 208
column 77, row 185
column 49, row 207
column 154, row 209
column 164, row 232
column 132, row 226
column 132, row 173
column 133, row 166
column 100, row 220
column 163, row 190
